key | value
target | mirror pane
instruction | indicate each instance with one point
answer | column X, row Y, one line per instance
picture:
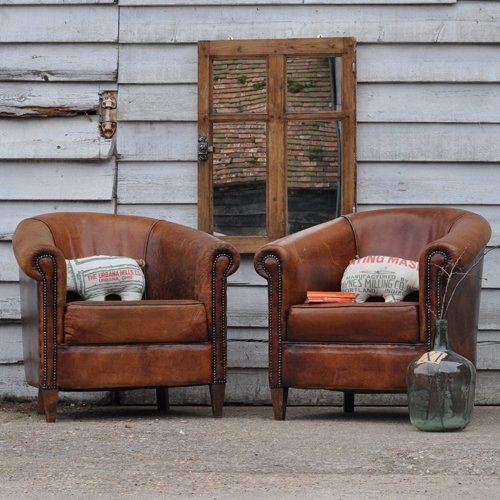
column 239, row 85
column 239, row 178
column 313, row 84
column 313, row 174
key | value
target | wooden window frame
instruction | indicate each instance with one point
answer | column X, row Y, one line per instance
column 276, row 117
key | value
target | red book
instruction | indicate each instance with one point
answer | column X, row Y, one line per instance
column 330, row 297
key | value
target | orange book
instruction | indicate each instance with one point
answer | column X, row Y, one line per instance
column 330, row 297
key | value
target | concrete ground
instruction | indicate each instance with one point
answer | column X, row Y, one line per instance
column 101, row 452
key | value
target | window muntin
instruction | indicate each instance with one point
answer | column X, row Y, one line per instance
column 275, row 113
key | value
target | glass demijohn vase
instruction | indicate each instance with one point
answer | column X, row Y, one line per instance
column 441, row 386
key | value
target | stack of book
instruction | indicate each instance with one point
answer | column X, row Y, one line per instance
column 330, row 297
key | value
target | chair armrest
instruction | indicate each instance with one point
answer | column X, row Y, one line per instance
column 465, row 241
column 33, row 245
column 43, row 295
column 185, row 263
column 313, row 259
column 460, row 254
column 180, row 262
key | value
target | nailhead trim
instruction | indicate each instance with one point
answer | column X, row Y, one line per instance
column 46, row 384
column 224, row 319
column 428, row 312
column 279, row 326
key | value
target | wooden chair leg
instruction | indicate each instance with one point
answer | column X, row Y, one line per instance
column 162, row 401
column 47, row 403
column 348, row 402
column 40, row 409
column 217, row 397
column 279, row 397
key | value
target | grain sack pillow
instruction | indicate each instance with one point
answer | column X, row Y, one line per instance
column 380, row 276
column 98, row 276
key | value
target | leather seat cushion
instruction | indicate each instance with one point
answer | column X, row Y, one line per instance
column 135, row 322
column 395, row 322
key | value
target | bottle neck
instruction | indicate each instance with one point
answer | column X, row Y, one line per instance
column 441, row 339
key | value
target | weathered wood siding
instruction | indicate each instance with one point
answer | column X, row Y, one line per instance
column 428, row 127
column 55, row 61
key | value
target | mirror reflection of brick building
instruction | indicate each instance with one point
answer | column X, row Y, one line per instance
column 241, row 149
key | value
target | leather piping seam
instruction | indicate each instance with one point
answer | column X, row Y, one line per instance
column 146, row 246
column 270, row 315
column 354, row 235
column 223, row 326
column 45, row 334
column 428, row 311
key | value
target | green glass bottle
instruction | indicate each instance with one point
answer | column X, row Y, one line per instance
column 441, row 386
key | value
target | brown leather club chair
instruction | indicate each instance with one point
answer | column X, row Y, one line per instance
column 366, row 347
column 175, row 336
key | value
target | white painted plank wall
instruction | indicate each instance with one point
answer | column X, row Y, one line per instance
column 277, row 2
column 181, row 214
column 376, row 102
column 54, row 2
column 56, row 61
column 58, row 23
column 427, row 133
column 157, row 182
column 424, row 62
column 54, row 99
column 193, row 3
column 412, row 93
column 55, row 43
column 417, row 183
column 389, row 142
column 43, row 62
column 75, row 138
column 376, row 63
column 8, row 265
column 61, row 180
column 464, row 22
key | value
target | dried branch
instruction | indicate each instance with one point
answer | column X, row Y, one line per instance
column 450, row 293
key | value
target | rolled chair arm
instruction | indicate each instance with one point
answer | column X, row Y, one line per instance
column 33, row 245
column 179, row 260
column 450, row 277
column 43, row 290
column 185, row 263
column 314, row 259
column 465, row 241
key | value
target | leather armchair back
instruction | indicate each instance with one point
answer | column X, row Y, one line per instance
column 400, row 233
column 98, row 234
